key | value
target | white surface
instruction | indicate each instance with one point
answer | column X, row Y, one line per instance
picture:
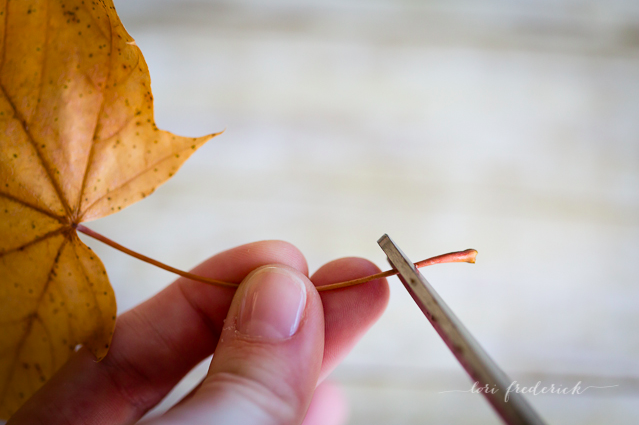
column 499, row 126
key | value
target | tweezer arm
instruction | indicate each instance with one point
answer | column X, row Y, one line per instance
column 473, row 358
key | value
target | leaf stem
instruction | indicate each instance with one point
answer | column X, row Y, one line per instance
column 113, row 244
column 467, row 256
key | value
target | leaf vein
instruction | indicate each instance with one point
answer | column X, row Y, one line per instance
column 44, row 63
column 4, row 36
column 95, row 21
column 97, row 119
column 86, row 278
column 35, row 241
column 27, row 331
column 50, row 339
column 33, row 207
column 25, row 128
column 129, row 180
column 46, row 166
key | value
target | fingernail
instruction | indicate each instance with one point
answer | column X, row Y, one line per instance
column 273, row 305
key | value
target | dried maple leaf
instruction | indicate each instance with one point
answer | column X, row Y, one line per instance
column 78, row 142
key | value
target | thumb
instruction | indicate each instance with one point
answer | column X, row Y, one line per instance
column 267, row 362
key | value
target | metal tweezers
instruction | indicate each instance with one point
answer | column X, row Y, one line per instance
column 481, row 368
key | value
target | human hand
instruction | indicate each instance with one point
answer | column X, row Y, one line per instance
column 279, row 340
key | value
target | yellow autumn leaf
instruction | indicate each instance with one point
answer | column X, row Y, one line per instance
column 78, row 142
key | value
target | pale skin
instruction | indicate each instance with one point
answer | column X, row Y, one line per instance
column 270, row 378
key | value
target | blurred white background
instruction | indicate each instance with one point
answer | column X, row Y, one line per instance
column 506, row 126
